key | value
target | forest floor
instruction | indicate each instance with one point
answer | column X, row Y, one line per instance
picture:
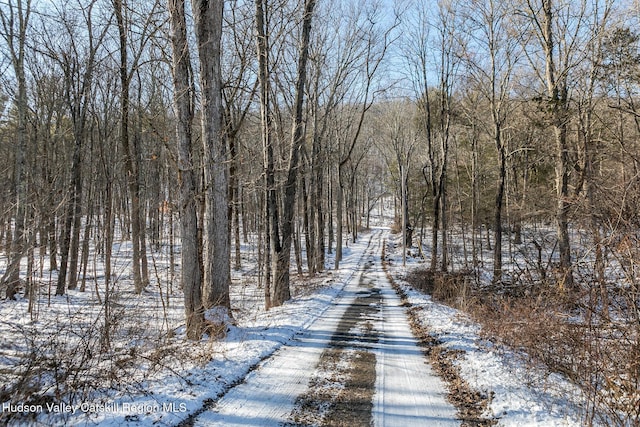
column 354, row 346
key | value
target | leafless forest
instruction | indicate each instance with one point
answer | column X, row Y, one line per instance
column 502, row 138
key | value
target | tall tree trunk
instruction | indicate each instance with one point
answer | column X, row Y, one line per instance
column 475, row 198
column 330, row 205
column 429, row 172
column 108, row 221
column 557, row 93
column 50, row 215
column 142, row 214
column 594, row 222
column 499, row 202
column 318, row 163
column 352, row 202
column 339, row 209
column 108, row 244
column 15, row 34
column 85, row 241
column 444, row 220
column 308, row 222
column 270, row 205
column 52, row 240
column 75, row 235
column 128, row 149
column 445, row 124
column 318, row 204
column 74, row 199
column 281, row 287
column 191, row 279
column 217, row 250
column 234, row 200
column 435, row 226
column 157, row 209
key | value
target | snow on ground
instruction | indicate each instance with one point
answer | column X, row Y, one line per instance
column 406, row 390
column 521, row 395
column 167, row 394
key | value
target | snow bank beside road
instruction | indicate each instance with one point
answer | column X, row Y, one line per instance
column 522, row 396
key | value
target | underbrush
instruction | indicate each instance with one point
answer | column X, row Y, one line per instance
column 96, row 355
column 74, row 354
column 565, row 332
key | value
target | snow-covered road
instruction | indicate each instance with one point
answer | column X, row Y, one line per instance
column 408, row 391
column 358, row 361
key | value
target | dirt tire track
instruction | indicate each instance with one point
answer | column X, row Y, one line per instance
column 341, row 390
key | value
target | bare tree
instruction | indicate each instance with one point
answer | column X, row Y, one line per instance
column 402, row 140
column 491, row 57
column 281, row 288
column 416, row 51
column 271, row 211
column 15, row 23
column 239, row 88
column 79, row 73
column 434, row 105
column 588, row 130
column 558, row 28
column 191, row 280
column 129, row 67
column 208, row 17
column 130, row 149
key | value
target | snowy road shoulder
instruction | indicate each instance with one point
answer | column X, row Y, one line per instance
column 521, row 395
column 518, row 394
column 408, row 391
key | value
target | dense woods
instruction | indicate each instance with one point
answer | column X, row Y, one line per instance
column 503, row 135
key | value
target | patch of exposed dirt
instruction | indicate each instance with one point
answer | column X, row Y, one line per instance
column 341, row 389
column 354, row 405
column 471, row 404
